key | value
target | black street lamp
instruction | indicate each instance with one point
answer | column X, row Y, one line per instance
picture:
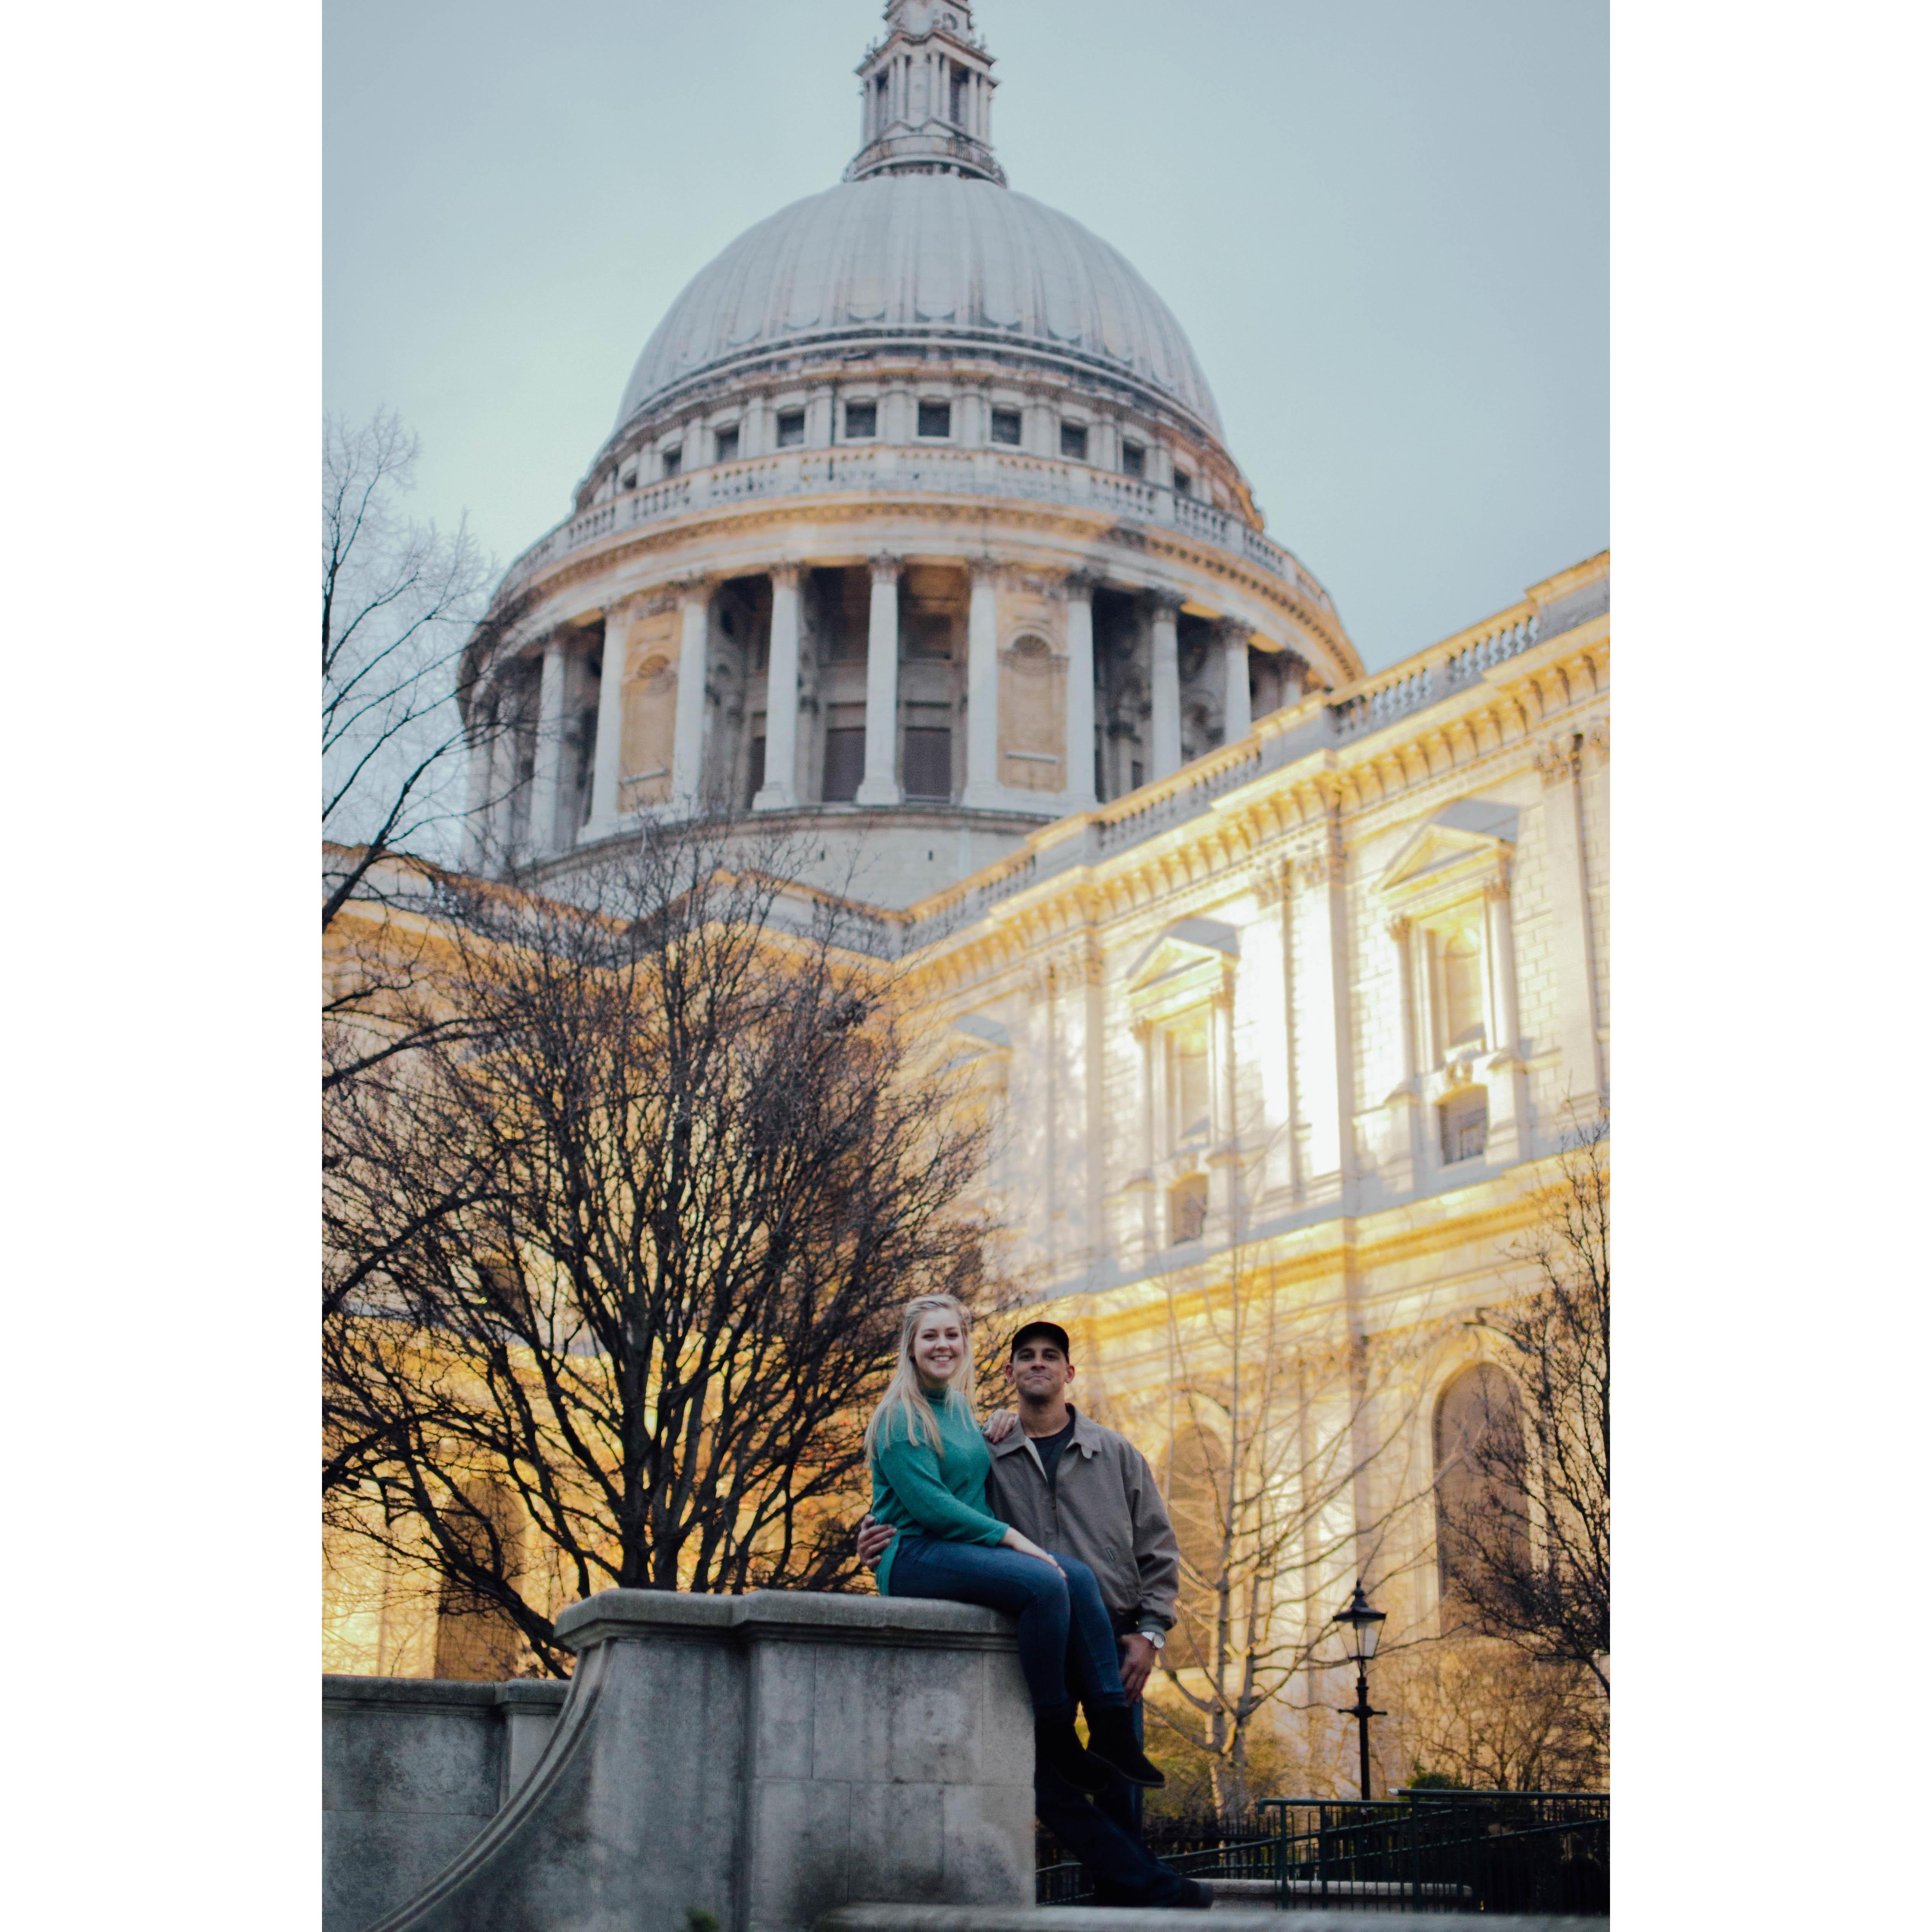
column 1364, row 1627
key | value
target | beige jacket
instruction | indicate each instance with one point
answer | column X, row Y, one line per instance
column 1106, row 1509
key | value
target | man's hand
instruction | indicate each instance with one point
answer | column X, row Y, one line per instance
column 874, row 1539
column 1000, row 1425
column 1137, row 1662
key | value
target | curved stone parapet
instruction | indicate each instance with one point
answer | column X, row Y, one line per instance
column 763, row 1758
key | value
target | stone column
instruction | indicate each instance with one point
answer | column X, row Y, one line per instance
column 779, row 791
column 1581, row 1080
column 476, row 804
column 544, row 828
column 880, row 784
column 1164, row 754
column 982, row 690
column 688, row 746
column 1080, row 795
column 1237, row 706
column 500, row 815
column 608, row 768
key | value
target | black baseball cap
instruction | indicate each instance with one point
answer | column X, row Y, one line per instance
column 1041, row 1331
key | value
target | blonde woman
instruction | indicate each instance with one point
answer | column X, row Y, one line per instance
column 929, row 1465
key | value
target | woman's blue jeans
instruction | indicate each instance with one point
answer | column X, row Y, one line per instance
column 1067, row 1648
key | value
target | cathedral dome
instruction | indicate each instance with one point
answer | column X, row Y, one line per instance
column 925, row 258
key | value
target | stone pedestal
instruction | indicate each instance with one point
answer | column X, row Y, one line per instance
column 766, row 1758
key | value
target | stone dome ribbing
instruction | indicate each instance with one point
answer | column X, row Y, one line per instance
column 931, row 257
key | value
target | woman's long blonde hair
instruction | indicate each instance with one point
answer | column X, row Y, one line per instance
column 905, row 1400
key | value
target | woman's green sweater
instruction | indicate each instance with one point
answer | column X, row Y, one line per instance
column 915, row 1489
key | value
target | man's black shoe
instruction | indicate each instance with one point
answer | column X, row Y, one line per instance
column 1110, row 1737
column 1056, row 1748
column 1178, row 1894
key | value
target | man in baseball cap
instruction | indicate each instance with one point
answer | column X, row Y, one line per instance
column 1081, row 1490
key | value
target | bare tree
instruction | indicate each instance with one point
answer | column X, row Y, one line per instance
column 399, row 601
column 1478, row 1711
column 1528, row 1538
column 405, row 631
column 1274, row 1421
column 616, row 1263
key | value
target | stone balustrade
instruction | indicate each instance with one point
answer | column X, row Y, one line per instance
column 874, row 470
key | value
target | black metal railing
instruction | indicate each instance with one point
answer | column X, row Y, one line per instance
column 1446, row 1851
column 1425, row 1851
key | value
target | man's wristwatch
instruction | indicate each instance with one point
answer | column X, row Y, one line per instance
column 1155, row 1635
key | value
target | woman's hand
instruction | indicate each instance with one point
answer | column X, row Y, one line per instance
column 1026, row 1546
column 873, row 1540
column 1000, row 1425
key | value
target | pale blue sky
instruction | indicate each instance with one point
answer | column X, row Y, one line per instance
column 1384, row 224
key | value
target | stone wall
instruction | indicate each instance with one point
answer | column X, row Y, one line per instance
column 763, row 1758
column 412, row 1770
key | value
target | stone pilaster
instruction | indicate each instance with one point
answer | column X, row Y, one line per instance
column 1508, row 1081
column 1582, row 1079
column 1329, row 1074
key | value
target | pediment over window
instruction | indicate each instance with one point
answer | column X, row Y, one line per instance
column 1188, row 943
column 1191, row 961
column 1463, row 849
column 976, row 1035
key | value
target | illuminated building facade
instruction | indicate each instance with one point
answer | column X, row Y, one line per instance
column 917, row 533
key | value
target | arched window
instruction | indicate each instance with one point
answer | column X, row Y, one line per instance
column 475, row 1639
column 1482, row 1516
column 1197, row 1486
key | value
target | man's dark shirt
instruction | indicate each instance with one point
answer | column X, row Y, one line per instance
column 1051, row 1448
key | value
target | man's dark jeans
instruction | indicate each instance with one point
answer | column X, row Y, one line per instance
column 1104, row 1834
column 1122, row 1801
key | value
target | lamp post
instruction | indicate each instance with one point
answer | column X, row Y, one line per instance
column 1364, row 1626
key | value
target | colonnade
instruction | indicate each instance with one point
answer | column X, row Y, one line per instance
column 497, row 754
